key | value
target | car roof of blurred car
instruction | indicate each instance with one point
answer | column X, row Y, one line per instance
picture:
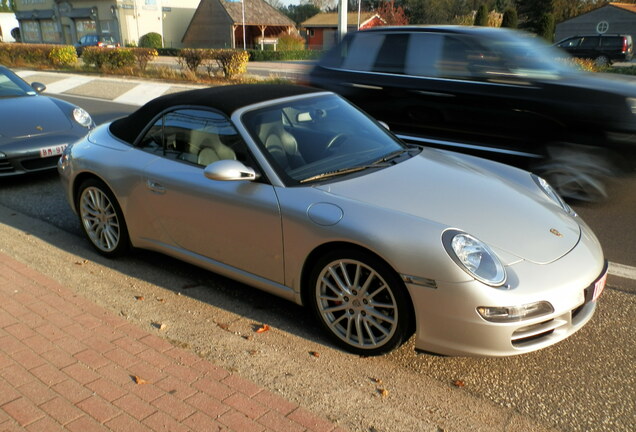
column 477, row 30
column 226, row 99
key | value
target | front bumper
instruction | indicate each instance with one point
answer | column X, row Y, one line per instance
column 448, row 322
column 26, row 156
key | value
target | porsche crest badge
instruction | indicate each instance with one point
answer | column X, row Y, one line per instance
column 556, row 232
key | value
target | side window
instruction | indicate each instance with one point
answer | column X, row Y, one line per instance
column 570, row 43
column 590, row 42
column 423, row 52
column 467, row 58
column 195, row 136
column 362, row 51
column 390, row 58
column 612, row 42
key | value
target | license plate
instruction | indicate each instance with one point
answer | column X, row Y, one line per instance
column 599, row 286
column 53, row 150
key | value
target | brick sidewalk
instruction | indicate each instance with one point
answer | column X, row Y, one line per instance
column 68, row 364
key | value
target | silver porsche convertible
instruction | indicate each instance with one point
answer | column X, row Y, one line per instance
column 295, row 191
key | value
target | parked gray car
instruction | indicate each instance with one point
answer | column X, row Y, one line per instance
column 35, row 129
column 295, row 191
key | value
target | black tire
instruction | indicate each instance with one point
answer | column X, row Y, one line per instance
column 577, row 172
column 102, row 219
column 360, row 301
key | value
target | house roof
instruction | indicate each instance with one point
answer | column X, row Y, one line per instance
column 330, row 19
column 257, row 12
column 631, row 7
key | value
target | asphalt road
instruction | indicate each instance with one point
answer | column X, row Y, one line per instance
column 586, row 383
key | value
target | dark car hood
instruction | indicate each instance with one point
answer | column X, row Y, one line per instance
column 31, row 116
column 606, row 82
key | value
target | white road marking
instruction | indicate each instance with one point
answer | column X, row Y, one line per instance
column 142, row 93
column 67, row 84
column 622, row 271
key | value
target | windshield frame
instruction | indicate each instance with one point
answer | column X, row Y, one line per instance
column 245, row 121
column 19, row 83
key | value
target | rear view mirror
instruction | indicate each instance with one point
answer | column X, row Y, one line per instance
column 229, row 170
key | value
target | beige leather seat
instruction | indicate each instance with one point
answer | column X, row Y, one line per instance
column 280, row 144
column 207, row 148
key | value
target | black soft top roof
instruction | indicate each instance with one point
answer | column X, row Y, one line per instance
column 226, row 99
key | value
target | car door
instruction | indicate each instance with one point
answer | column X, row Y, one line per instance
column 589, row 47
column 432, row 88
column 235, row 223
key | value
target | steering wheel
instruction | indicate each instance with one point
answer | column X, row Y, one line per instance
column 336, row 141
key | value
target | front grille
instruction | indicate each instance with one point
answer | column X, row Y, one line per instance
column 527, row 336
column 5, row 167
column 40, row 163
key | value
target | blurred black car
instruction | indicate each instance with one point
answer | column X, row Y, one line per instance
column 496, row 93
column 35, row 129
column 603, row 49
column 95, row 40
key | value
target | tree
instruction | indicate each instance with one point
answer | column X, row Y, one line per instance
column 392, row 14
column 510, row 18
column 435, row 11
column 4, row 7
column 300, row 13
column 546, row 27
column 481, row 17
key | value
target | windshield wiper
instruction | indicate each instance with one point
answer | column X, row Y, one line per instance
column 343, row 171
column 392, row 155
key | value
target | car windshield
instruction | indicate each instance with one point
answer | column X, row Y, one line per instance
column 529, row 56
column 320, row 137
column 12, row 85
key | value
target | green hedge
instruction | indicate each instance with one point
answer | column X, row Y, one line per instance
column 229, row 62
column 20, row 54
column 113, row 58
column 258, row 55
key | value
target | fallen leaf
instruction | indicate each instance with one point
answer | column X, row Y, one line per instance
column 81, row 262
column 459, row 383
column 161, row 300
column 383, row 392
column 139, row 380
column 262, row 329
column 314, row 353
column 139, row 298
column 160, row 326
column 253, row 352
column 223, row 326
column 377, row 380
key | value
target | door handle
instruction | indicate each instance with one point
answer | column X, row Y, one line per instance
column 365, row 86
column 155, row 187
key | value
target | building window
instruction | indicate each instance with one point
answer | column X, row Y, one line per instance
column 31, row 31
column 85, row 27
column 49, row 33
column 310, row 32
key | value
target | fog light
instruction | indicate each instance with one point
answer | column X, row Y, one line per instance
column 504, row 314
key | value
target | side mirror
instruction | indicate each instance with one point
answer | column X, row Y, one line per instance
column 38, row 87
column 229, row 170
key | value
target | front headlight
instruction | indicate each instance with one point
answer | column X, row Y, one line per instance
column 631, row 105
column 81, row 116
column 551, row 193
column 2, row 155
column 474, row 257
